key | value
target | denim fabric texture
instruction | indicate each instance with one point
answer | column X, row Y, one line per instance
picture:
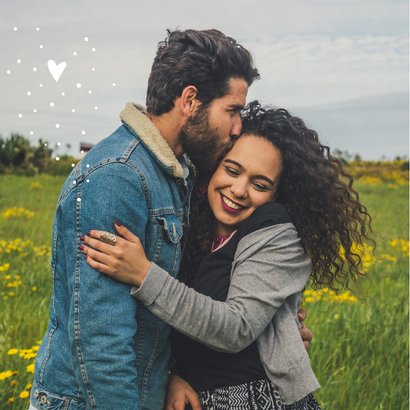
column 103, row 349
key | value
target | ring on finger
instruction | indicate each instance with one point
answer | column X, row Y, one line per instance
column 109, row 238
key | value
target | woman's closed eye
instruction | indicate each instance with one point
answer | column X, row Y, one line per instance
column 260, row 187
column 231, row 171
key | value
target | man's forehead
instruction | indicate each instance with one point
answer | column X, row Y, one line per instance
column 237, row 91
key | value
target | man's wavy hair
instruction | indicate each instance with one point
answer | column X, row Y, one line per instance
column 316, row 191
column 206, row 59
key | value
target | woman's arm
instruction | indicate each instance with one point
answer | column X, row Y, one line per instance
column 268, row 267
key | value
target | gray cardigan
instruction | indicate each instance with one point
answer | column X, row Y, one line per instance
column 268, row 275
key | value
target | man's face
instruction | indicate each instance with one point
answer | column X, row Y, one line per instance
column 207, row 135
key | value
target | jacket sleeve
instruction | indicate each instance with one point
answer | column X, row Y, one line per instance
column 269, row 266
column 102, row 323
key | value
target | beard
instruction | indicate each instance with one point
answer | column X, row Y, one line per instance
column 201, row 142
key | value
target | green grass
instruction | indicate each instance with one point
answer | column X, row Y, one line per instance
column 359, row 352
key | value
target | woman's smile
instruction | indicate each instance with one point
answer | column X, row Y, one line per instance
column 231, row 206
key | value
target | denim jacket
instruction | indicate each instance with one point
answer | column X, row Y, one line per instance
column 103, row 349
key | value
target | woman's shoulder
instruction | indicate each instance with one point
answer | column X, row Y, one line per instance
column 269, row 214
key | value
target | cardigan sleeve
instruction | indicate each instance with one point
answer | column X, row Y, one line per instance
column 269, row 266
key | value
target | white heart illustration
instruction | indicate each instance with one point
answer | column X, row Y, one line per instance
column 56, row 69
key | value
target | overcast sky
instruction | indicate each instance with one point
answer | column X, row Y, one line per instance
column 342, row 65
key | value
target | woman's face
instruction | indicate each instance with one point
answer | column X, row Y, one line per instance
column 245, row 179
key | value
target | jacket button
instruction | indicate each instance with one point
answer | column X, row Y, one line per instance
column 43, row 399
column 36, row 393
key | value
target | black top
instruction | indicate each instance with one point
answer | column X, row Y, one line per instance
column 201, row 366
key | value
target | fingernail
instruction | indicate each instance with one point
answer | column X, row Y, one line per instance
column 118, row 223
column 82, row 238
column 80, row 247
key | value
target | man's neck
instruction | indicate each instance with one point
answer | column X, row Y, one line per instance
column 169, row 128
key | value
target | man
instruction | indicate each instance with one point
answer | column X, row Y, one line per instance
column 102, row 349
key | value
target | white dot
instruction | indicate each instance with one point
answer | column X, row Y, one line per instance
column 58, row 144
column 15, row 28
column 57, row 125
column 87, row 166
column 72, row 165
column 29, row 93
column 95, row 108
column 40, row 85
column 73, row 110
column 93, row 69
column 78, row 199
column 51, row 104
column 78, row 85
column 41, row 46
column 34, row 110
column 75, row 53
column 57, row 158
column 34, row 69
column 8, row 72
column 74, row 182
column 87, row 180
column 63, row 93
column 37, row 28
column 114, row 85
column 86, row 39
column 82, row 151
column 20, row 115
column 90, row 92
column 93, row 49
column 45, row 144
column 31, row 132
column 18, row 61
column 82, row 132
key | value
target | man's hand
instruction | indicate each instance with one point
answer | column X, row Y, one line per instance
column 305, row 333
column 180, row 393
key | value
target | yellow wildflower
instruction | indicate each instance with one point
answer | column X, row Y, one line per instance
column 30, row 368
column 5, row 267
column 6, row 374
column 24, row 394
column 36, row 185
column 10, row 400
column 13, row 351
column 16, row 212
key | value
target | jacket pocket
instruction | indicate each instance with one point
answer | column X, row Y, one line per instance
column 172, row 227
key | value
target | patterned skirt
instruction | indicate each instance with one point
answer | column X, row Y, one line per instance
column 254, row 395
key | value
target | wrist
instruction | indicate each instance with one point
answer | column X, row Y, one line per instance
column 140, row 277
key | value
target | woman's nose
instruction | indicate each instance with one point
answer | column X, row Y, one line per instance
column 239, row 189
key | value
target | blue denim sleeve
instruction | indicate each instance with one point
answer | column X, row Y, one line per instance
column 103, row 322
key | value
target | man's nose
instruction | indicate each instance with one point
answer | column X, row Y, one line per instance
column 236, row 127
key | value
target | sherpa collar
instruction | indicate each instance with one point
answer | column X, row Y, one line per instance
column 133, row 115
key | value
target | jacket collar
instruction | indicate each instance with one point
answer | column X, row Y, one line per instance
column 133, row 115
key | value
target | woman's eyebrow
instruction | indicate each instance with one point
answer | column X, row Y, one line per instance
column 264, row 177
column 233, row 162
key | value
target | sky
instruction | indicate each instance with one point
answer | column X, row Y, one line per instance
column 341, row 65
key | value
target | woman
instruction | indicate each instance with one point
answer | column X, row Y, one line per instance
column 280, row 209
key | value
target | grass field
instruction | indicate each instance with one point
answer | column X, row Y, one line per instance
column 360, row 348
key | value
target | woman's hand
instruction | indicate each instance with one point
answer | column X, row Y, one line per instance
column 305, row 333
column 180, row 393
column 124, row 261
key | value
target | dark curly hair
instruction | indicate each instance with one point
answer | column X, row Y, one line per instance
column 316, row 191
column 206, row 59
